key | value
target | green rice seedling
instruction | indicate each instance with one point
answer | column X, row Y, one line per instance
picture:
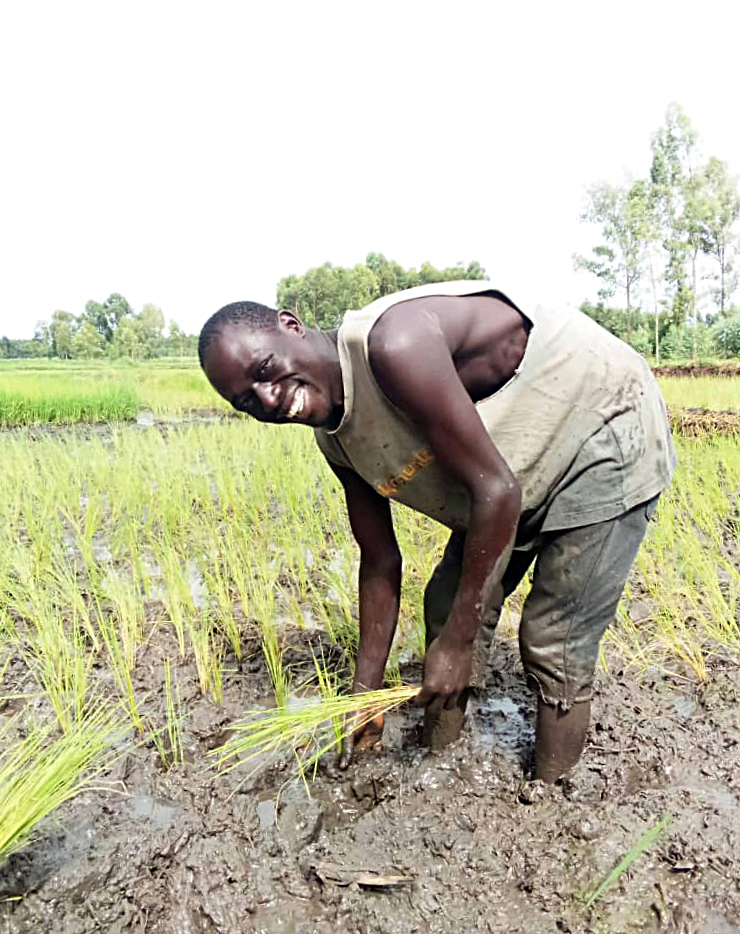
column 174, row 716
column 177, row 597
column 121, row 667
column 39, row 773
column 272, row 650
column 218, row 583
column 305, row 731
column 644, row 843
column 168, row 739
column 208, row 653
column 26, row 399
column 57, row 657
column 128, row 617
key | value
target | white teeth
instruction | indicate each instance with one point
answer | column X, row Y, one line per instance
column 298, row 402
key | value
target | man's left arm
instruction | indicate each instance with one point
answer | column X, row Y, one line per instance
column 415, row 369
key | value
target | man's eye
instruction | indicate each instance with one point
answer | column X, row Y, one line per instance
column 264, row 367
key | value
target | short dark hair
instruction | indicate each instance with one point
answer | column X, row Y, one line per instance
column 250, row 314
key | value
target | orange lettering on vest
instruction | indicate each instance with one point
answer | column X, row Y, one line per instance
column 421, row 460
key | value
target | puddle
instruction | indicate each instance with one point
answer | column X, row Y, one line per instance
column 196, row 585
column 100, row 552
column 501, row 721
column 155, row 810
column 684, row 706
column 266, row 812
column 145, row 418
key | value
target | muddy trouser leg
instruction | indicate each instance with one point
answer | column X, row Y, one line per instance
column 578, row 579
column 444, row 727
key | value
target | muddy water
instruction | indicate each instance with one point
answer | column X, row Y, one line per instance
column 407, row 841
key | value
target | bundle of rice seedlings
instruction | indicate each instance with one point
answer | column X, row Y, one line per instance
column 38, row 773
column 305, row 730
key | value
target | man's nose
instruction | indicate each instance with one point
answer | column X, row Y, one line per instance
column 268, row 394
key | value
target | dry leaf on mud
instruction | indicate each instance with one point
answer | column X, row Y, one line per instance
column 341, row 875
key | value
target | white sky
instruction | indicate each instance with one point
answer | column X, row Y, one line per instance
column 191, row 154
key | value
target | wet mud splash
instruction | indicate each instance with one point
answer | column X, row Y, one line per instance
column 409, row 841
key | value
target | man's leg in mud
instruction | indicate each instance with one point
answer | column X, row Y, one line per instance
column 561, row 736
column 578, row 579
column 444, row 726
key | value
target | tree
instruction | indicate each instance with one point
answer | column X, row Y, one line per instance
column 177, row 337
column 322, row 295
column 150, row 322
column 622, row 213
column 61, row 330
column 42, row 339
column 107, row 315
column 87, row 342
column 130, row 339
column 719, row 212
column 672, row 174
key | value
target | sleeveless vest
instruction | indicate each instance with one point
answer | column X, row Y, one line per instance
column 581, row 424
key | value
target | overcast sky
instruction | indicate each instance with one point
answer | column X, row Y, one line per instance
column 191, row 154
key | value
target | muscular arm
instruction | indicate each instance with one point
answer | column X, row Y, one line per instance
column 380, row 576
column 413, row 364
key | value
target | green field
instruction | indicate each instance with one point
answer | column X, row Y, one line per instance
column 206, row 543
column 702, row 392
column 59, row 392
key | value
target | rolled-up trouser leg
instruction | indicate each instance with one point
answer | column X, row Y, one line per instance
column 444, row 726
column 578, row 579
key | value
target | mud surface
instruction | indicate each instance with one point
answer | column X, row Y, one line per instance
column 144, row 420
column 407, row 841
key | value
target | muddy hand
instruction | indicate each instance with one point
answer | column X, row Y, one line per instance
column 364, row 736
column 447, row 669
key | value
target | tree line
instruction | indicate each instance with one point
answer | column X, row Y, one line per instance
column 104, row 329
column 322, row 295
column 667, row 250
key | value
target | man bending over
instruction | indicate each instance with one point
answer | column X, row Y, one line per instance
column 534, row 437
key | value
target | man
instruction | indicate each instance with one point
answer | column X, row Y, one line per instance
column 533, row 436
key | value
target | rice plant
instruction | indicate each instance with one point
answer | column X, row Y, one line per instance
column 644, row 843
column 40, row 772
column 306, row 730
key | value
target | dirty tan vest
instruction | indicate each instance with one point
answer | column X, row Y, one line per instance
column 581, row 424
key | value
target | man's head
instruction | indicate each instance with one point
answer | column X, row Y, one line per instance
column 268, row 364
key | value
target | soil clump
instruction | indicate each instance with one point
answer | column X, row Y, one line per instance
column 729, row 368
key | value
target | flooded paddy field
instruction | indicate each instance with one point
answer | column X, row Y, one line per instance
column 182, row 573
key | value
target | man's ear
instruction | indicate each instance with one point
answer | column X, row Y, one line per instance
column 291, row 322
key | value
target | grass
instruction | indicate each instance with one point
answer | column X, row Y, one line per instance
column 689, row 569
column 27, row 400
column 704, row 392
column 68, row 392
column 214, row 542
column 306, row 730
column 644, row 843
column 40, row 772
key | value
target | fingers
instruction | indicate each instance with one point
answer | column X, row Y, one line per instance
column 435, row 701
column 363, row 737
column 423, row 697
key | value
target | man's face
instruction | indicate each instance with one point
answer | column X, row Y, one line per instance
column 273, row 375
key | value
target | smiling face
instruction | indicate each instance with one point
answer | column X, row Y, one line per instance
column 282, row 374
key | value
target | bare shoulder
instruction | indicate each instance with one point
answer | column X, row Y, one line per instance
column 409, row 326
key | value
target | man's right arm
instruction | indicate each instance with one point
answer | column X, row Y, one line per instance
column 380, row 576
